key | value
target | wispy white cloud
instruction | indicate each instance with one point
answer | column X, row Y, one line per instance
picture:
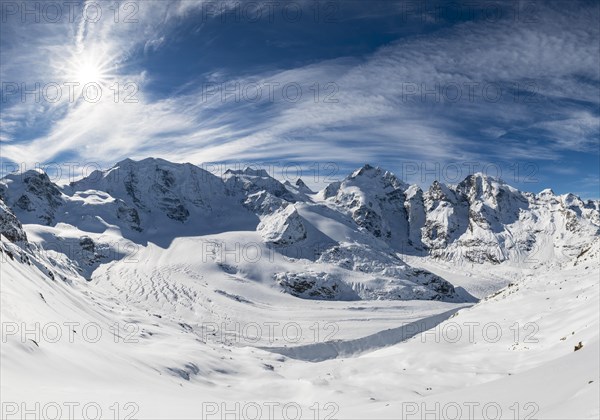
column 373, row 111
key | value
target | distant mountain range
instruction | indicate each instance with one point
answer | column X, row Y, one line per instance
column 348, row 241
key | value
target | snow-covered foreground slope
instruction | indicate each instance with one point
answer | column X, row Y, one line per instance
column 159, row 290
column 183, row 346
column 513, row 351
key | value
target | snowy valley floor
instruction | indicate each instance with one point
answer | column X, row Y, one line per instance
column 165, row 338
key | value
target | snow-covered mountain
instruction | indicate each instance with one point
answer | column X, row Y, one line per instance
column 375, row 199
column 485, row 220
column 354, row 233
column 154, row 195
column 480, row 220
column 194, row 281
column 32, row 196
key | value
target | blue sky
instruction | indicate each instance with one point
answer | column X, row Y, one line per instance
column 424, row 89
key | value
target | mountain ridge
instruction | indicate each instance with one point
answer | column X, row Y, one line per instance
column 354, row 232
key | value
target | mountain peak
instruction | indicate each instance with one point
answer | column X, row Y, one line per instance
column 126, row 161
column 482, row 178
column 29, row 173
column 369, row 172
column 546, row 192
column 248, row 171
column 302, row 187
column 149, row 161
column 300, row 183
column 366, row 169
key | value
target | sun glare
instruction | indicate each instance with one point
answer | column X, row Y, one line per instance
column 88, row 68
column 88, row 73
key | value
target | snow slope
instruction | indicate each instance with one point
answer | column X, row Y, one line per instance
column 183, row 333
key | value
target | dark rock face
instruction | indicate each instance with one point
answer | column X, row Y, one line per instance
column 129, row 215
column 368, row 219
column 415, row 211
column 10, row 227
column 170, row 203
column 87, row 244
column 131, row 182
column 161, row 188
column 442, row 287
column 320, row 286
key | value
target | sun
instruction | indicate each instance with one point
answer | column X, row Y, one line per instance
column 88, row 67
column 86, row 70
column 88, row 73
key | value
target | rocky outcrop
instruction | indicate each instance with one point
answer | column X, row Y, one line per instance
column 32, row 196
column 10, row 227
